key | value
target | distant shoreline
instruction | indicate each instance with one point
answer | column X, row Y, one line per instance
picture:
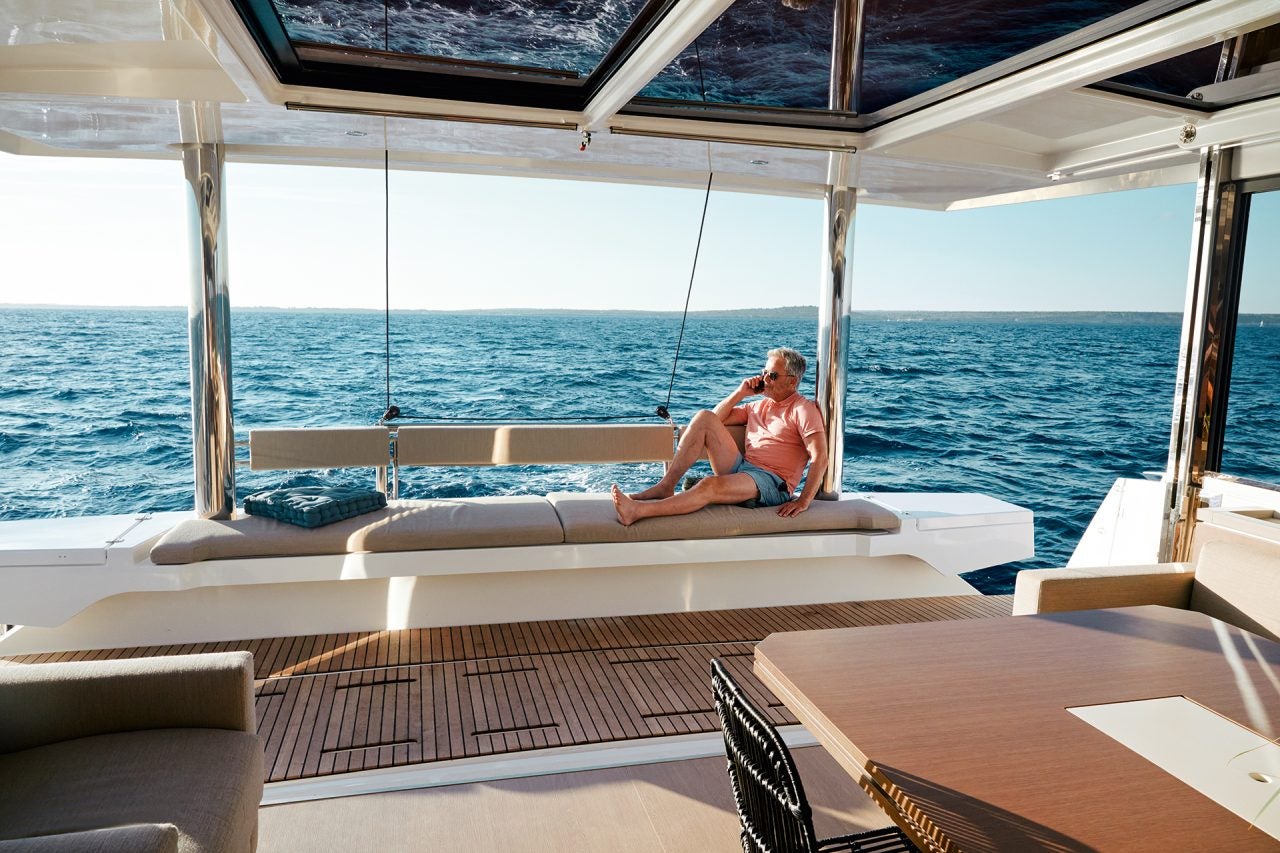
column 792, row 312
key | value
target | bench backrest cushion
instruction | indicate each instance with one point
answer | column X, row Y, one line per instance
column 490, row 522
column 591, row 518
column 533, row 444
column 328, row 447
column 1239, row 583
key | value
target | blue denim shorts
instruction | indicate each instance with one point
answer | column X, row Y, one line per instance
column 773, row 491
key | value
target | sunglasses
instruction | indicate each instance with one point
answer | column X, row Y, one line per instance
column 772, row 375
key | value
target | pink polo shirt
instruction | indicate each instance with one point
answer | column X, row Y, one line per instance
column 776, row 434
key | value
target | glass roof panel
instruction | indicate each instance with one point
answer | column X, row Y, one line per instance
column 356, row 23
column 562, row 35
column 912, row 46
column 1176, row 76
column 769, row 53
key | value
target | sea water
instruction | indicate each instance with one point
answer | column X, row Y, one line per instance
column 1045, row 412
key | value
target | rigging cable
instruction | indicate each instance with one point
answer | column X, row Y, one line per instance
column 392, row 412
column 664, row 411
column 386, row 271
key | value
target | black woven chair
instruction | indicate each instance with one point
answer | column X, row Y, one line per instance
column 775, row 815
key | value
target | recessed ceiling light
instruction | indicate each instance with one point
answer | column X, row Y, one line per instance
column 759, row 162
column 356, row 133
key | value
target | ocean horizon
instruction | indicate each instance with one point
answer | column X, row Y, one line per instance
column 778, row 312
column 1042, row 409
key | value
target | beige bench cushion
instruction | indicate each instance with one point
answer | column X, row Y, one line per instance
column 591, row 518
column 1239, row 583
column 403, row 526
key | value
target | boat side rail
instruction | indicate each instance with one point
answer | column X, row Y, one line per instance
column 387, row 448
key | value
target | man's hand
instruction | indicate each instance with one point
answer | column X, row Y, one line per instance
column 750, row 386
column 795, row 507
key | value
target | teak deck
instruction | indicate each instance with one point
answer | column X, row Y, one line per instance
column 335, row 703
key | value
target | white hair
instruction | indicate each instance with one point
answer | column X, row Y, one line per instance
column 794, row 360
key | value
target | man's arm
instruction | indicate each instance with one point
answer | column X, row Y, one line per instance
column 727, row 409
column 816, row 444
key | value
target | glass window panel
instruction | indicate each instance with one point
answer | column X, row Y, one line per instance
column 1253, row 411
column 1178, row 75
column 769, row 53
column 355, row 23
column 563, row 35
column 912, row 46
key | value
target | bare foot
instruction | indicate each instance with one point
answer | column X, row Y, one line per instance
column 654, row 493
column 625, row 506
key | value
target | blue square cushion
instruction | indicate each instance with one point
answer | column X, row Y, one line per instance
column 314, row 506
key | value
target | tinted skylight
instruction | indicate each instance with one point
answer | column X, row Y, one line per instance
column 778, row 52
column 566, row 35
column 1177, row 76
column 759, row 52
column 913, row 46
column 766, row 54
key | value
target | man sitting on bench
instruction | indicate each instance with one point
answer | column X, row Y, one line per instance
column 784, row 432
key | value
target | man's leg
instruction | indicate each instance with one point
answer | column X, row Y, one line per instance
column 718, row 489
column 705, row 432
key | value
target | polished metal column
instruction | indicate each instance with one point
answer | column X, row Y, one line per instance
column 1204, row 358
column 833, row 323
column 841, row 201
column 209, row 331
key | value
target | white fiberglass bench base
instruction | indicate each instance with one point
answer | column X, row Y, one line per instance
column 122, row 599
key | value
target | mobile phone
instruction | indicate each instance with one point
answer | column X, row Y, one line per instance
column 757, row 384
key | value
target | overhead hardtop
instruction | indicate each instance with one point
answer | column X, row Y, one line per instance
column 940, row 105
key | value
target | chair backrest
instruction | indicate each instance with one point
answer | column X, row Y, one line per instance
column 775, row 815
column 1238, row 581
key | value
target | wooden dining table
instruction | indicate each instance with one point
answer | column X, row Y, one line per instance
column 961, row 730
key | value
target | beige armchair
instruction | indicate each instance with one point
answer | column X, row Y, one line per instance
column 149, row 754
column 1235, row 581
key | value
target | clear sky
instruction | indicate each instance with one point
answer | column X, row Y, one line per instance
column 113, row 232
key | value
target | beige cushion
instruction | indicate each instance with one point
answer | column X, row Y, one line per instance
column 131, row 838
column 591, row 518
column 45, row 703
column 533, row 444
column 1055, row 590
column 492, row 522
column 402, row 526
column 329, row 447
column 207, row 782
column 1239, row 583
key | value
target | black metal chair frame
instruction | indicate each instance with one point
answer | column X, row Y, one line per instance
column 772, row 807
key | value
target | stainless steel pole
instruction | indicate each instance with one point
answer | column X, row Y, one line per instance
column 837, row 250
column 209, row 331
column 833, row 327
column 1209, row 316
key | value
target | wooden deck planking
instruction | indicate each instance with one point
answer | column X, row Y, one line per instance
column 342, row 702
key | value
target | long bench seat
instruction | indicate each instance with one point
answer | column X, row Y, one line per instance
column 493, row 522
column 70, row 590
